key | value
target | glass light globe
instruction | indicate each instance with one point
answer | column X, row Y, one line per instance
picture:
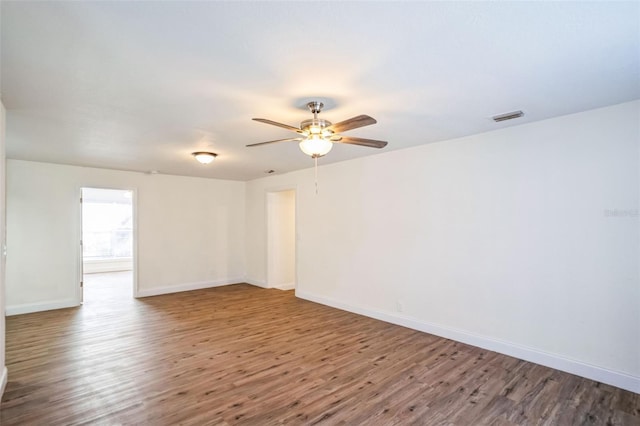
column 204, row 157
column 316, row 146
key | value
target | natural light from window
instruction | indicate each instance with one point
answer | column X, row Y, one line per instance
column 107, row 224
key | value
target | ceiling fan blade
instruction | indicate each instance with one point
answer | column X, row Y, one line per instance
column 278, row 140
column 275, row 123
column 371, row 143
column 352, row 123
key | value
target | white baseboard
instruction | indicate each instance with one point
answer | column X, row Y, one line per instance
column 3, row 380
column 146, row 292
column 257, row 283
column 558, row 362
column 28, row 308
column 288, row 286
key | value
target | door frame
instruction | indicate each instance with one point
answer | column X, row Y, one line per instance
column 134, row 242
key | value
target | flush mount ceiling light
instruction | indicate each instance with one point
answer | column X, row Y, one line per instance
column 204, row 157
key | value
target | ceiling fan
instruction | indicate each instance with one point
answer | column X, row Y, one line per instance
column 317, row 135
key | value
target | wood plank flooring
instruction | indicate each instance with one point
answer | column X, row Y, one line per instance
column 244, row 355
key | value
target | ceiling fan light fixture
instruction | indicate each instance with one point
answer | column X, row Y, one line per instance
column 204, row 157
column 317, row 135
column 316, row 146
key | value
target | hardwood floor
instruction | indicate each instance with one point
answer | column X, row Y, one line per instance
column 245, row 355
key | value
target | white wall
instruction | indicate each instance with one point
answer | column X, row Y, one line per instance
column 281, row 228
column 190, row 232
column 3, row 368
column 524, row 240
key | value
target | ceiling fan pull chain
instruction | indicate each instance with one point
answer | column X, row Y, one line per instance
column 316, row 171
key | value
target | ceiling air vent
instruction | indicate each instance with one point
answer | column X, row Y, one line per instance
column 507, row 116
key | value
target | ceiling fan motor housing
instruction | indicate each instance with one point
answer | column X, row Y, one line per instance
column 315, row 126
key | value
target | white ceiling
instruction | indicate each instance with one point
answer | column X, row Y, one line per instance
column 141, row 85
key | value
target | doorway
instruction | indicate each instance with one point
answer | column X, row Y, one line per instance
column 281, row 239
column 107, row 245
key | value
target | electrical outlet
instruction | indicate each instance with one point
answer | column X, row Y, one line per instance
column 399, row 306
